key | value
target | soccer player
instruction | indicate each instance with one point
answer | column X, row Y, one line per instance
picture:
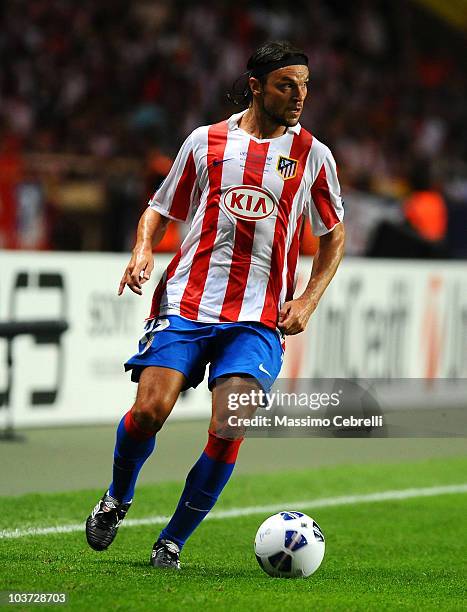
column 245, row 186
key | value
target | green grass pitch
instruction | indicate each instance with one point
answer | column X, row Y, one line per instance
column 389, row 555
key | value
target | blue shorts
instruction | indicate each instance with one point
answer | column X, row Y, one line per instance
column 188, row 346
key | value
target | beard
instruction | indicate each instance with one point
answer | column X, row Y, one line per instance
column 277, row 118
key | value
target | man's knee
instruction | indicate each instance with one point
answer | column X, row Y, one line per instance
column 151, row 410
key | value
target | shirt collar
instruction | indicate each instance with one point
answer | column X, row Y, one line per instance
column 232, row 123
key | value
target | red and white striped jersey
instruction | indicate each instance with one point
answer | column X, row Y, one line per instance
column 245, row 199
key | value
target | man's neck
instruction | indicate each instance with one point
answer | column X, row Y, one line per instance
column 259, row 125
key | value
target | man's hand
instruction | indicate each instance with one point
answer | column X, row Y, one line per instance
column 151, row 229
column 138, row 270
column 294, row 315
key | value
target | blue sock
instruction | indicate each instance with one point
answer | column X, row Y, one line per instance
column 133, row 446
column 203, row 486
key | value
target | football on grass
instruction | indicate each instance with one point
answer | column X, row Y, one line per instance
column 289, row 545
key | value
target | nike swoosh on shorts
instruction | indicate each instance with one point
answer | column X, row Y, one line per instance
column 263, row 369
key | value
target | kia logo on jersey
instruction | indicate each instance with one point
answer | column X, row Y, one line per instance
column 247, row 202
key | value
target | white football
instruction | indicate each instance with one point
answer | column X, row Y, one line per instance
column 289, row 545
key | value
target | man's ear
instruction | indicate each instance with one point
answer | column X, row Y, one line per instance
column 255, row 86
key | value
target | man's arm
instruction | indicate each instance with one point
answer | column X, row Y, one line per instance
column 151, row 229
column 294, row 315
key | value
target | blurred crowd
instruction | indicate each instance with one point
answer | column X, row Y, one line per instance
column 96, row 97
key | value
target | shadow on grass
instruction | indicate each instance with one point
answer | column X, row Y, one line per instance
column 189, row 570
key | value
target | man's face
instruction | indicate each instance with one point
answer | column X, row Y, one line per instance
column 282, row 96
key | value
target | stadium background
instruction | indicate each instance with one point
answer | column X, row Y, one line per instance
column 95, row 99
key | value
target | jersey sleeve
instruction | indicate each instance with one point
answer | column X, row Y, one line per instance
column 325, row 206
column 178, row 193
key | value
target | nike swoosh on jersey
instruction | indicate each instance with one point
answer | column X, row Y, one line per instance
column 218, row 162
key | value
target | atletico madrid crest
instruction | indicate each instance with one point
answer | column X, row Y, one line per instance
column 287, row 167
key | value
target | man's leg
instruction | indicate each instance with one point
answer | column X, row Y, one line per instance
column 213, row 469
column 158, row 390
column 249, row 349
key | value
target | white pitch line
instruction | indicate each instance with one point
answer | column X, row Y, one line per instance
column 324, row 502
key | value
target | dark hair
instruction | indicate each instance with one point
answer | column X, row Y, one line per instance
column 274, row 51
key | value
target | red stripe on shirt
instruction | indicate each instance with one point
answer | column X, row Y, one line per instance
column 300, row 149
column 322, row 200
column 292, row 258
column 182, row 196
column 160, row 289
column 189, row 305
column 244, row 237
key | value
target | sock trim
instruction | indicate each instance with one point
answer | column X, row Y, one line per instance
column 134, row 430
column 222, row 449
